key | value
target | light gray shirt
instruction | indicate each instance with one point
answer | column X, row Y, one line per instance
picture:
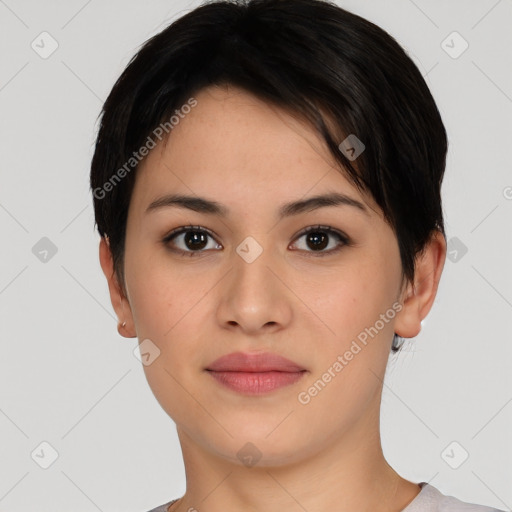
column 429, row 499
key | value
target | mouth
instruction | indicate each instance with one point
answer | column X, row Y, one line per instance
column 255, row 374
column 255, row 383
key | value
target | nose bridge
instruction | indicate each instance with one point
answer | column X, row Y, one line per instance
column 255, row 297
column 251, row 274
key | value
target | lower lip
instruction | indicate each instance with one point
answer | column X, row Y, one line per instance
column 256, row 383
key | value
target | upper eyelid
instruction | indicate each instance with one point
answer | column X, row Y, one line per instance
column 184, row 229
column 321, row 227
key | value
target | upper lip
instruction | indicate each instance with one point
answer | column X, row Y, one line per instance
column 261, row 362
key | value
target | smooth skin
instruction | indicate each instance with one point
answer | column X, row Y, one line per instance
column 292, row 300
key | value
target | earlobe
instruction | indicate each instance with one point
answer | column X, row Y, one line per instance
column 420, row 294
column 125, row 326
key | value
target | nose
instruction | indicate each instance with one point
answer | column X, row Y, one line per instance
column 254, row 298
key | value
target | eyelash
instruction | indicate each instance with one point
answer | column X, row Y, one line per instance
column 345, row 241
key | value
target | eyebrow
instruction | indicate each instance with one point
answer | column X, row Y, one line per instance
column 203, row 205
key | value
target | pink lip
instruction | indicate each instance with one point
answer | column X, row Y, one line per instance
column 255, row 373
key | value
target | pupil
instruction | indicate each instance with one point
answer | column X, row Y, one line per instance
column 193, row 237
column 319, row 240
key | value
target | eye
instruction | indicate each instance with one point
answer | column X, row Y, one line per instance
column 194, row 240
column 320, row 237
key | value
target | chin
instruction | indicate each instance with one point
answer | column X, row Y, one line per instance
column 260, row 450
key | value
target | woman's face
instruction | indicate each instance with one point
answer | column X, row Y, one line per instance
column 251, row 282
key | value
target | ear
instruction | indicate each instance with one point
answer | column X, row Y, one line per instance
column 117, row 297
column 418, row 297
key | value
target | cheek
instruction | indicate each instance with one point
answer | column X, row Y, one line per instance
column 154, row 305
column 354, row 355
column 165, row 309
column 350, row 300
column 171, row 308
column 160, row 296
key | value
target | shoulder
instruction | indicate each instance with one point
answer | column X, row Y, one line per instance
column 430, row 499
column 163, row 508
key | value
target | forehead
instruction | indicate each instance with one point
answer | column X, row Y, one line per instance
column 234, row 144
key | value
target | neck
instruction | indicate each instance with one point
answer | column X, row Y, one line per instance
column 349, row 475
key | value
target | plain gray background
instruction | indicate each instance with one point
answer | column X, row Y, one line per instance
column 71, row 388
